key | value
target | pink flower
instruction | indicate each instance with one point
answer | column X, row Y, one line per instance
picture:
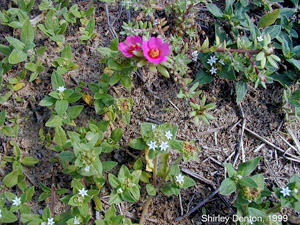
column 155, row 50
column 132, row 43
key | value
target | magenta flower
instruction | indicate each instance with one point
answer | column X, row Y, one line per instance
column 155, row 50
column 132, row 43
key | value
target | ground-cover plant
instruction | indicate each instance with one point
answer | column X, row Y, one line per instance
column 16, row 177
column 156, row 141
column 252, row 193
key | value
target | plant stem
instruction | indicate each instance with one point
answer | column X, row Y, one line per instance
column 147, row 204
column 155, row 170
column 251, row 51
column 145, row 210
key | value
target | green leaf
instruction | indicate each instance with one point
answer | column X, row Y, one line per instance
column 116, row 135
column 61, row 107
column 241, row 89
column 214, row 10
column 66, row 156
column 11, row 179
column 203, row 78
column 75, row 111
column 17, row 56
column 27, row 34
column 57, row 81
column 227, row 74
column 19, row 45
column 227, row 187
column 151, row 190
column 246, row 181
column 8, row 217
column 137, row 143
column 273, row 31
column 54, row 121
column 60, row 136
column 113, row 180
column 163, row 71
column 29, row 161
column 269, row 18
column 8, row 131
column 294, row 100
column 2, row 117
column 108, row 165
column 47, row 101
column 248, row 167
column 295, row 63
column 138, row 164
column 230, row 170
column 126, row 81
column 188, row 182
column 67, row 52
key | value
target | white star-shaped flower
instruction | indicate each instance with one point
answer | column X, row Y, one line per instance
column 61, row 89
column 213, row 70
column 76, row 221
column 153, row 126
column 156, row 22
column 169, row 135
column 212, row 60
column 296, row 190
column 180, row 179
column 16, row 201
column 82, row 192
column 164, row 146
column 152, row 145
column 195, row 56
column 50, row 221
column 120, row 190
column 221, row 61
column 87, row 168
column 260, row 38
column 285, row 191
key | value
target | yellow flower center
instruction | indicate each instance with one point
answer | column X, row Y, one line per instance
column 154, row 53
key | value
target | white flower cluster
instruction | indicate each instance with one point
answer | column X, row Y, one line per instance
column 164, row 145
column 213, row 60
column 50, row 221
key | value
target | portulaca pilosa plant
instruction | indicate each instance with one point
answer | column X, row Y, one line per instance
column 124, row 58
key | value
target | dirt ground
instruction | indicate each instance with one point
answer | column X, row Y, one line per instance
column 219, row 140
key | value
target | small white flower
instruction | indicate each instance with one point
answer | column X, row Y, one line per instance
column 43, row 223
column 120, row 190
column 221, row 61
column 240, row 176
column 156, row 22
column 285, row 191
column 152, row 145
column 213, row 70
column 164, row 146
column 212, row 60
column 61, row 89
column 50, row 221
column 87, row 168
column 76, row 221
column 180, row 179
column 82, row 192
column 169, row 135
column 260, row 38
column 16, row 201
column 296, row 190
column 195, row 56
column 153, row 126
column 0, row 214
